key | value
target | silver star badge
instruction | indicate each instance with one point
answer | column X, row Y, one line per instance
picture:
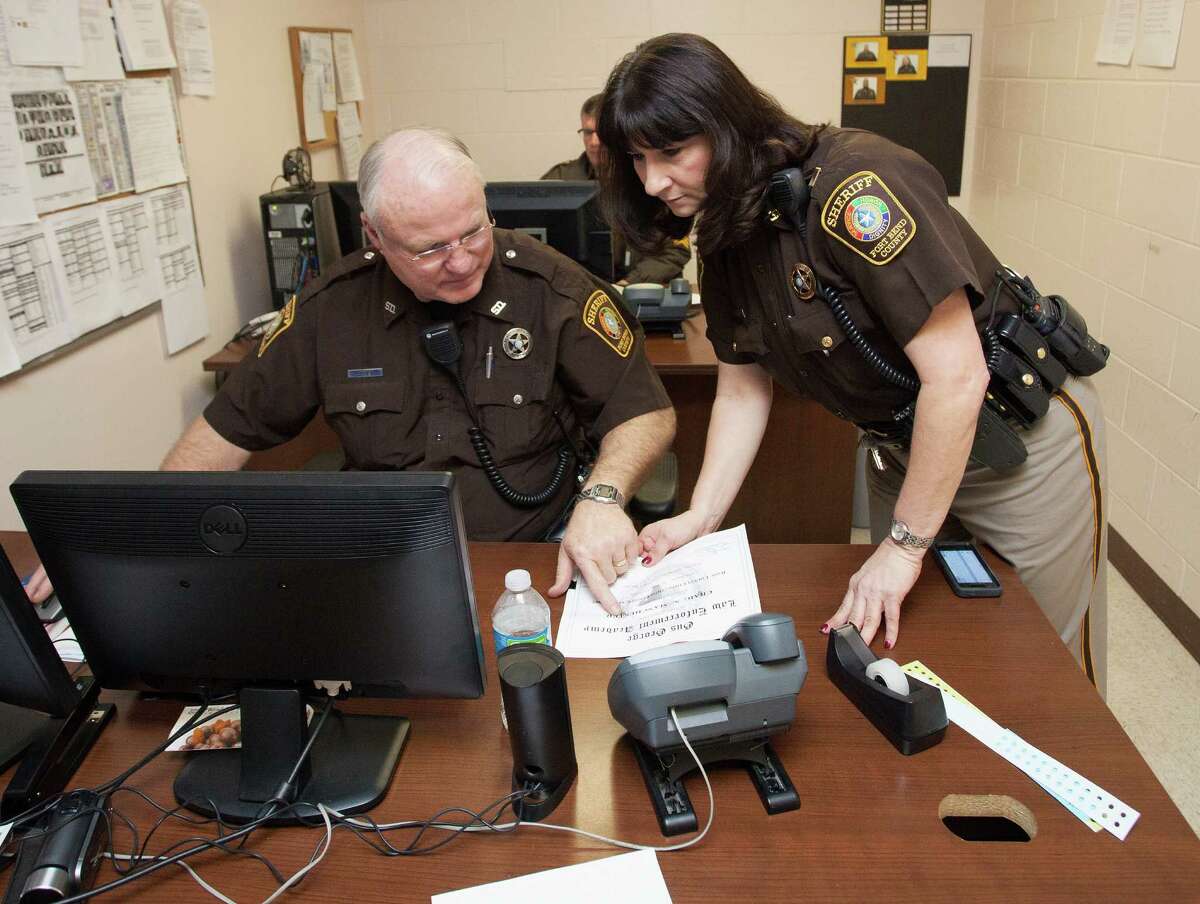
column 517, row 343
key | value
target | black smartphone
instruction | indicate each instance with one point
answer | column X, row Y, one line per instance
column 966, row 572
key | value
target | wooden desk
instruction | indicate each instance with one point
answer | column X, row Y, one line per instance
column 868, row 826
column 799, row 490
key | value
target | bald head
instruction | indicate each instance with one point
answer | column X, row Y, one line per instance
column 405, row 168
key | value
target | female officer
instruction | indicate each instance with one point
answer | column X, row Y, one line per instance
column 693, row 145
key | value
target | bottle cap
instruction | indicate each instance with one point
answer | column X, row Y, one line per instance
column 517, row 580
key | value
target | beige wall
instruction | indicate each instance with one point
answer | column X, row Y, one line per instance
column 1088, row 178
column 509, row 76
column 120, row 402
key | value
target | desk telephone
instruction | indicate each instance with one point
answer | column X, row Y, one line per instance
column 661, row 307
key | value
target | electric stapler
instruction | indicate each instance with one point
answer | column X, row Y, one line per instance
column 909, row 712
column 730, row 696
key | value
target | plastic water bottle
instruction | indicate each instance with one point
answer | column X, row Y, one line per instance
column 520, row 616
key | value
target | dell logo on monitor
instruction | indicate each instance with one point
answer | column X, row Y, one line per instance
column 222, row 529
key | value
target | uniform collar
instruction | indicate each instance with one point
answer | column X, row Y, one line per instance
column 495, row 300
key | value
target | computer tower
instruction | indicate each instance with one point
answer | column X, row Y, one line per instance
column 301, row 238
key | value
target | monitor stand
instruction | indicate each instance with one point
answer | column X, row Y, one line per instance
column 348, row 769
column 50, row 747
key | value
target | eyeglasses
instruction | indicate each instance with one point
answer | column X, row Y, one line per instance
column 440, row 253
column 586, row 133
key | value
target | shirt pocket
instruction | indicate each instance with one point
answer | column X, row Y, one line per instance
column 748, row 339
column 814, row 328
column 516, row 409
column 374, row 421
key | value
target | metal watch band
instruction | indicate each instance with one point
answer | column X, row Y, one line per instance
column 902, row 536
column 603, row 492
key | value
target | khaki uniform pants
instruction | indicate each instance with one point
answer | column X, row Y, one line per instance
column 1048, row 518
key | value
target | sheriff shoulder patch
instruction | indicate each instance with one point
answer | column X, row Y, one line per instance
column 864, row 215
column 602, row 317
column 284, row 319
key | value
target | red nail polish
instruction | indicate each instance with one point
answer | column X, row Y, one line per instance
column 887, row 644
column 825, row 628
column 645, row 560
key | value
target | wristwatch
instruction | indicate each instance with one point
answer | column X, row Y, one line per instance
column 603, row 492
column 902, row 536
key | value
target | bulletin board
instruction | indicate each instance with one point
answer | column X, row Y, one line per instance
column 913, row 90
column 330, row 116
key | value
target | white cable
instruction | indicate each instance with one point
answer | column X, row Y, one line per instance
column 195, row 875
column 317, row 858
column 712, row 809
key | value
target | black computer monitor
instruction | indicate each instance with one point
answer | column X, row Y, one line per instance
column 263, row 583
column 47, row 720
column 347, row 216
column 560, row 213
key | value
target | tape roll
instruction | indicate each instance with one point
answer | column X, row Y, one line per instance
column 887, row 673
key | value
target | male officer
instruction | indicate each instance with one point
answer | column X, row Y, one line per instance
column 547, row 356
column 663, row 266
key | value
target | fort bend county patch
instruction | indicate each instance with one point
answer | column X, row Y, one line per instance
column 864, row 215
column 282, row 321
column 602, row 317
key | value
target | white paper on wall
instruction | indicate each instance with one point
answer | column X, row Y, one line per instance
column 101, row 56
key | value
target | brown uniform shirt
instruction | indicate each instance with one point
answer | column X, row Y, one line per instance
column 660, row 267
column 881, row 232
column 353, row 347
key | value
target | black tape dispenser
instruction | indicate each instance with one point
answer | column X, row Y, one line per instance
column 910, row 713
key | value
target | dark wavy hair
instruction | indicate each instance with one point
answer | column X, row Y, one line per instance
column 672, row 88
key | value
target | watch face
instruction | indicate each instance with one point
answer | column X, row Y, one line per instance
column 899, row 531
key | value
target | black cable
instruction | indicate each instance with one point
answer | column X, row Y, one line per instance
column 502, row 487
column 877, row 362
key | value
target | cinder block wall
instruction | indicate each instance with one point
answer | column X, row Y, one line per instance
column 1088, row 178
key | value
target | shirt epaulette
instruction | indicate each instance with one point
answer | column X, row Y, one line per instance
column 355, row 261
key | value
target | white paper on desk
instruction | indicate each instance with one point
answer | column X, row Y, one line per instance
column 694, row 593
column 1158, row 32
column 142, row 34
column 101, row 56
column 349, row 84
column 350, row 150
column 634, row 878
column 54, row 147
column 43, row 32
column 84, row 258
column 193, row 44
column 347, row 120
column 1118, row 32
column 138, row 271
column 153, row 133
column 16, row 195
column 185, row 315
column 36, row 320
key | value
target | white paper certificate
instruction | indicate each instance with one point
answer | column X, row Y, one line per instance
column 695, row 593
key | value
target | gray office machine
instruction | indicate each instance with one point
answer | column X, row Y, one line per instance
column 730, row 696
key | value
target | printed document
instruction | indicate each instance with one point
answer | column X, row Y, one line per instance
column 349, row 85
column 43, row 32
column 142, row 33
column 153, row 133
column 193, row 43
column 695, row 593
column 16, row 197
column 101, row 58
